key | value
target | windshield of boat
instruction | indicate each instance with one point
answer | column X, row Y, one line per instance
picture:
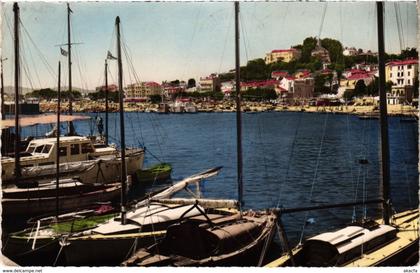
column 31, row 148
column 41, row 149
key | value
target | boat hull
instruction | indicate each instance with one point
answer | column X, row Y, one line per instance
column 107, row 250
column 45, row 252
column 34, row 205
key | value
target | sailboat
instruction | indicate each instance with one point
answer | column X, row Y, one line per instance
column 91, row 162
column 80, row 233
column 34, row 199
column 390, row 241
column 211, row 239
column 111, row 242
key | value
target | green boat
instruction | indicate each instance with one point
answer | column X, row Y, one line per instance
column 156, row 173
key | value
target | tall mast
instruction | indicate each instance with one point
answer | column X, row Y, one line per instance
column 106, row 102
column 71, row 131
column 383, row 117
column 69, row 58
column 17, row 77
column 238, row 107
column 57, row 178
column 122, row 132
column 3, row 111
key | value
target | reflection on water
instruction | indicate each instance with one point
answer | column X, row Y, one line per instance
column 290, row 159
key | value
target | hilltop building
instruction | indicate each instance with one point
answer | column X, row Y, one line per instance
column 321, row 53
column 350, row 51
column 284, row 55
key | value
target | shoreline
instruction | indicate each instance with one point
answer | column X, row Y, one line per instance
column 367, row 111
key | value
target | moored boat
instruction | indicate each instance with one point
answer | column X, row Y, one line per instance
column 156, row 173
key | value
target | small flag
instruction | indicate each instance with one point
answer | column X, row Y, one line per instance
column 110, row 57
column 63, row 52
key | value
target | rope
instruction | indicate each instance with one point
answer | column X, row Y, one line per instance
column 286, row 176
column 315, row 175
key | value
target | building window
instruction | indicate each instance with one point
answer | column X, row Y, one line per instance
column 408, row 81
column 409, row 66
column 408, row 73
column 390, row 75
column 74, row 149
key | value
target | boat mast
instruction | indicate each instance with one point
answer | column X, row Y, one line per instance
column 383, row 117
column 3, row 111
column 121, row 97
column 17, row 77
column 106, row 102
column 71, row 128
column 238, row 108
column 57, row 177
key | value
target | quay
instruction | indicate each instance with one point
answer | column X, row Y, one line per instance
column 228, row 106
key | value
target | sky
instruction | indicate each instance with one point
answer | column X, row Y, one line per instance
column 182, row 40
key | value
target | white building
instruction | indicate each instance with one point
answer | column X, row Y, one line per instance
column 402, row 73
column 350, row 51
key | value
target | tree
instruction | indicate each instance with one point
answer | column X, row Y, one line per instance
column 320, row 87
column 334, row 48
column 309, row 44
column 255, row 70
column 155, row 98
column 191, row 83
column 174, row 83
column 348, row 95
column 360, row 88
column 409, row 53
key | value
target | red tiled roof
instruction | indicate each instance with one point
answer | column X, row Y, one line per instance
column 152, row 84
column 403, row 62
column 279, row 73
column 259, row 83
column 283, row 50
column 359, row 76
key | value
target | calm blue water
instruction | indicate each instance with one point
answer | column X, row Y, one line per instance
column 290, row 159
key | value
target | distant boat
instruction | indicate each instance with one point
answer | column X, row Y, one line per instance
column 163, row 108
column 156, row 173
column 370, row 115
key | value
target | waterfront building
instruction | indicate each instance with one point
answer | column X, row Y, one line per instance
column 402, row 73
column 142, row 90
column 268, row 84
column 304, row 88
column 210, row 83
column 321, row 53
column 287, row 83
column 400, row 95
column 228, row 87
column 284, row 55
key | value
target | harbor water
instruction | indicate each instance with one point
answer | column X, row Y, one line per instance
column 289, row 159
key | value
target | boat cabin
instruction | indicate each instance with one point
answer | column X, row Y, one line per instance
column 343, row 246
column 43, row 152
